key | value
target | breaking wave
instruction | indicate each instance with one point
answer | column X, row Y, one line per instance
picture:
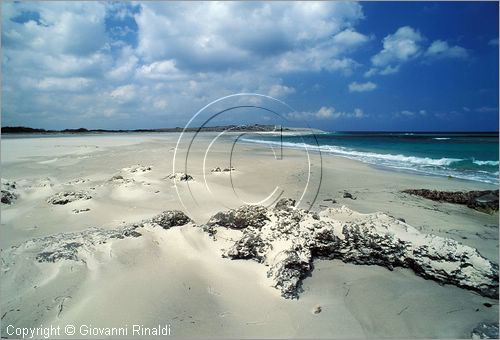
column 454, row 167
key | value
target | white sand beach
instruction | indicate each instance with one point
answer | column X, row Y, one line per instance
column 249, row 170
column 179, row 276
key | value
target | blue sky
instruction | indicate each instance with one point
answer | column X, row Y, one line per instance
column 409, row 66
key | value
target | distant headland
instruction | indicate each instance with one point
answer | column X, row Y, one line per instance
column 236, row 128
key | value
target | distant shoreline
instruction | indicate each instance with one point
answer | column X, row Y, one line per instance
column 234, row 128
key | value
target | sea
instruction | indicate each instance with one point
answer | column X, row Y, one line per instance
column 464, row 155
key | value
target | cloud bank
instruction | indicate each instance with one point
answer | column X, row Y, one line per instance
column 74, row 63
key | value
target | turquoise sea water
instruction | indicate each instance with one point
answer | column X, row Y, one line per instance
column 471, row 156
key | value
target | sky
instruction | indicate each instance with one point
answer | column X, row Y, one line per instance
column 341, row 66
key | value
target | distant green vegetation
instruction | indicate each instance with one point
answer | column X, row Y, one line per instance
column 255, row 127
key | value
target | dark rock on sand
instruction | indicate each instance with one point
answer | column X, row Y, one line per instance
column 77, row 211
column 171, row 218
column 243, row 217
column 9, row 193
column 131, row 233
column 485, row 201
column 66, row 251
column 485, row 331
column 286, row 204
column 250, row 246
column 67, row 246
column 349, row 195
column 77, row 246
column 8, row 197
column 179, row 176
column 288, row 270
column 63, row 198
column 139, row 168
column 218, row 169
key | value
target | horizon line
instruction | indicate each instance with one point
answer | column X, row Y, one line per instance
column 85, row 130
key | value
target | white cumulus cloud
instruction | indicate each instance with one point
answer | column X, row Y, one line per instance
column 362, row 87
column 441, row 49
column 407, row 44
column 279, row 91
column 401, row 46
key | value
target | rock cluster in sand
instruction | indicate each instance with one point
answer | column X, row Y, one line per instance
column 138, row 168
column 62, row 198
column 218, row 169
column 77, row 181
column 485, row 331
column 9, row 192
column 121, row 180
column 78, row 245
column 485, row 200
column 287, row 240
column 171, row 218
column 180, row 176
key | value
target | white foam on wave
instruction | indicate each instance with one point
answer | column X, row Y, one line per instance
column 493, row 163
column 361, row 154
column 426, row 161
column 441, row 138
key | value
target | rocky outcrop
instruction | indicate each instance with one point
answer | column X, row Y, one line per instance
column 218, row 169
column 243, row 217
column 67, row 251
column 126, row 175
column 119, row 179
column 63, row 198
column 76, row 246
column 250, row 246
column 285, row 204
column 9, row 192
column 78, row 181
column 180, row 176
column 67, row 245
column 171, row 218
column 486, row 200
column 78, row 211
column 287, row 240
column 288, row 269
column 138, row 168
column 349, row 195
column 485, row 331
